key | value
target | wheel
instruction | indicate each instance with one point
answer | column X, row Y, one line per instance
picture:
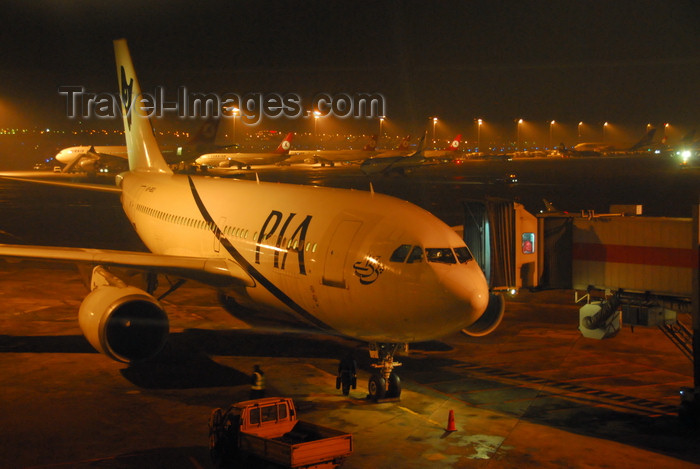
column 377, row 387
column 394, row 386
column 215, row 421
column 215, row 434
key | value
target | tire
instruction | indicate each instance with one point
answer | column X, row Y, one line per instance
column 216, row 420
column 215, row 436
column 394, row 386
column 376, row 387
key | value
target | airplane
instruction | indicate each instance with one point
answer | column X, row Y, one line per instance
column 395, row 164
column 345, row 262
column 600, row 148
column 402, row 149
column 246, row 160
column 450, row 151
column 89, row 158
column 331, row 157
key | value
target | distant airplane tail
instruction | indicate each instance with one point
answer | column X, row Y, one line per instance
column 141, row 145
column 644, row 141
column 285, row 145
column 454, row 145
column 549, row 206
column 421, row 145
column 371, row 145
column 404, row 143
column 207, row 132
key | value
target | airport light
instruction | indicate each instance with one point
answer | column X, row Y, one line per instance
column 235, row 112
column 479, row 123
column 579, row 130
column 551, row 126
column 317, row 114
column 666, row 128
column 517, row 127
column 381, row 123
column 605, row 126
column 435, row 119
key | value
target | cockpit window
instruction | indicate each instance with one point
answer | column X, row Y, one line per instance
column 415, row 256
column 463, row 254
column 442, row 255
column 400, row 253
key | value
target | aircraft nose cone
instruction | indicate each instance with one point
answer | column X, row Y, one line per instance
column 469, row 292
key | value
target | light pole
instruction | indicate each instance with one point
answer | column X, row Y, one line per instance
column 551, row 126
column 381, row 123
column 478, row 134
column 579, row 130
column 235, row 111
column 517, row 144
column 435, row 119
column 666, row 129
column 317, row 114
column 605, row 126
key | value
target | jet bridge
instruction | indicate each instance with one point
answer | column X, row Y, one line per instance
column 503, row 238
column 627, row 269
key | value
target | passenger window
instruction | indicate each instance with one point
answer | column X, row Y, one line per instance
column 269, row 413
column 400, row 253
column 255, row 416
column 415, row 256
column 463, row 254
column 442, row 255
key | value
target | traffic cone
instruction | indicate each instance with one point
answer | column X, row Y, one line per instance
column 451, row 422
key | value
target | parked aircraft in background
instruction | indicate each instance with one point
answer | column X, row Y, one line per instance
column 451, row 151
column 86, row 158
column 331, row 157
column 387, row 165
column 246, row 160
column 603, row 148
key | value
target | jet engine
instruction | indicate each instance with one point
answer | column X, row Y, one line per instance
column 123, row 322
column 491, row 318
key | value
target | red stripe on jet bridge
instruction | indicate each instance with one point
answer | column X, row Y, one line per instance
column 642, row 255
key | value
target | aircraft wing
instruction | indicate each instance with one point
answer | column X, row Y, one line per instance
column 58, row 182
column 215, row 271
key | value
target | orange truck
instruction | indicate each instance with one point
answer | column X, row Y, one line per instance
column 268, row 429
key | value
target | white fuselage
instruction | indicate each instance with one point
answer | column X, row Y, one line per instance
column 240, row 159
column 319, row 255
column 68, row 155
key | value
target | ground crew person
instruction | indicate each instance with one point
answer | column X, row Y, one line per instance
column 347, row 374
column 257, row 383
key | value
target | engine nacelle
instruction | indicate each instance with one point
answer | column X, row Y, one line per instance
column 491, row 318
column 88, row 162
column 125, row 323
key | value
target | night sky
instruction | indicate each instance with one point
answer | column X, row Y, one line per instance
column 628, row 62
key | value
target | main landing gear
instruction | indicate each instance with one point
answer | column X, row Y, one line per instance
column 384, row 384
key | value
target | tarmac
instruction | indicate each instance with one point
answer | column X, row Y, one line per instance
column 532, row 394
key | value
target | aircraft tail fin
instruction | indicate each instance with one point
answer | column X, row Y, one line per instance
column 404, row 143
column 285, row 145
column 372, row 144
column 141, row 145
column 454, row 144
column 421, row 145
column 207, row 132
column 644, row 141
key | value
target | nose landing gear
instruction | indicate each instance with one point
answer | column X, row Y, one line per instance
column 384, row 384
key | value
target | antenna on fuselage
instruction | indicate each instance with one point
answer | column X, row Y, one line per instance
column 371, row 189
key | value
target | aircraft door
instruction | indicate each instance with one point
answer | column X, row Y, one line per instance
column 337, row 253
